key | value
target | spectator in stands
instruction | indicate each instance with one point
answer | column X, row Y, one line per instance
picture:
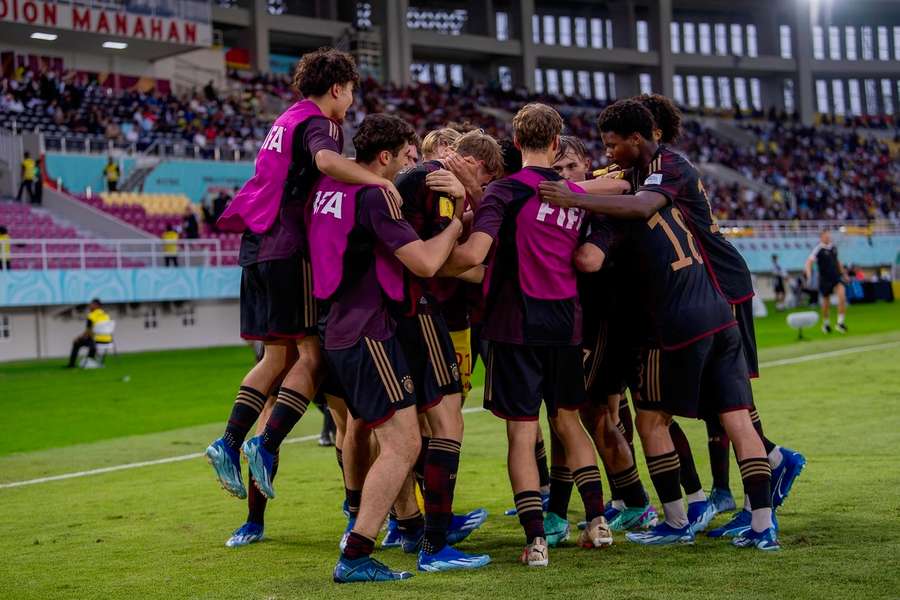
column 38, row 185
column 111, row 173
column 4, row 249
column 190, row 227
column 170, row 247
column 88, row 339
column 28, row 173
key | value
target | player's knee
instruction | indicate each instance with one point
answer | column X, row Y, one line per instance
column 651, row 423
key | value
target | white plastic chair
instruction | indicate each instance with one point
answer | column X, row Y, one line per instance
column 103, row 348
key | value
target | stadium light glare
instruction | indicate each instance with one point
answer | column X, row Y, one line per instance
column 115, row 45
column 40, row 35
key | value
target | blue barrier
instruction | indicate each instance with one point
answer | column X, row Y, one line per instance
column 793, row 252
column 80, row 171
column 194, row 177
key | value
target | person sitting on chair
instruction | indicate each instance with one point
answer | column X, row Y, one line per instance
column 88, row 339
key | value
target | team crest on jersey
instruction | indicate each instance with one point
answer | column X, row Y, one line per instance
column 454, row 371
column 408, row 384
column 445, row 207
column 654, row 179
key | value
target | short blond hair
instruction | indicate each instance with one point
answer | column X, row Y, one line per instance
column 434, row 140
column 536, row 125
column 483, row 147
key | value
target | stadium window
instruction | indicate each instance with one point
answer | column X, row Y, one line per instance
column 505, row 76
column 884, row 46
column 896, row 42
column 584, row 84
column 871, row 96
column 725, row 92
column 855, row 97
column 784, row 34
column 549, row 30
column 709, row 92
column 363, row 15
column 755, row 94
column 850, row 42
column 608, row 33
column 867, row 43
column 456, row 75
column 834, row 42
column 188, row 317
column 693, row 91
column 568, row 82
column 887, row 100
column 440, row 74
column 704, row 33
column 740, row 93
column 788, row 89
column 596, row 33
column 600, row 87
column 818, row 35
column 737, row 39
column 581, row 32
column 4, row 327
column 721, row 39
column 675, row 34
column 646, row 83
column 424, row 73
column 822, row 105
column 552, row 77
column 612, row 85
column 752, row 49
column 643, row 36
column 538, row 81
column 150, row 321
column 690, row 38
column 678, row 89
column 837, row 93
column 565, row 31
column 502, row 26
column 536, row 29
column 276, row 7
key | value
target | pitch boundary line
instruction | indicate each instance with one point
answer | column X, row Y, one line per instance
column 309, row 438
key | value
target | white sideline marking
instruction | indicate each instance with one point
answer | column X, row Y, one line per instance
column 150, row 463
column 308, row 438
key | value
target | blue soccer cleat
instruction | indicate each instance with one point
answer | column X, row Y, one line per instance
column 461, row 526
column 227, row 464
column 610, row 512
column 700, row 514
column 351, row 522
column 246, row 534
column 784, row 475
column 761, row 540
column 662, row 535
column 392, row 535
column 739, row 523
column 722, row 499
column 262, row 463
column 365, row 569
column 345, row 508
column 411, row 541
column 545, row 502
column 450, row 559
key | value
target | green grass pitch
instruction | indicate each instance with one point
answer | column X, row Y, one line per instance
column 158, row 531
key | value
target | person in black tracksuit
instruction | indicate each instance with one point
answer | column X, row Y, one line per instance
column 831, row 280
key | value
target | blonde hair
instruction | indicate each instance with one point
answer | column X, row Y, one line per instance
column 436, row 140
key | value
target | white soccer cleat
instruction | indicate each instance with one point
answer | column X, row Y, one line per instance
column 596, row 535
column 536, row 554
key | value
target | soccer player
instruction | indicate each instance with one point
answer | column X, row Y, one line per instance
column 277, row 306
column 359, row 245
column 695, row 366
column 438, row 143
column 532, row 325
column 779, row 276
column 831, row 280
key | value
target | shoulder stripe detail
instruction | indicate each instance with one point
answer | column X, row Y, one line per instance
column 392, row 204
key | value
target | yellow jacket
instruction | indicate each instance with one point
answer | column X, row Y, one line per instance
column 29, row 169
column 170, row 248
column 98, row 315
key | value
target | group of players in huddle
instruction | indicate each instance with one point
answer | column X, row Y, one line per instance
column 374, row 283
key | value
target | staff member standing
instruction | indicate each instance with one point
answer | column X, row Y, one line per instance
column 170, row 247
column 111, row 172
column 29, row 172
column 88, row 339
column 831, row 278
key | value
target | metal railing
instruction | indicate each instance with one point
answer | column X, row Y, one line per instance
column 58, row 142
column 77, row 253
column 784, row 229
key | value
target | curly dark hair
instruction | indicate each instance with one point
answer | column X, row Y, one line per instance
column 379, row 132
column 512, row 158
column 666, row 115
column 625, row 117
column 318, row 71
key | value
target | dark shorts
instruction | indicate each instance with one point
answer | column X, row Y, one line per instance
column 779, row 285
column 519, row 377
column 743, row 313
column 826, row 288
column 277, row 301
column 702, row 380
column 374, row 378
column 610, row 362
column 431, row 357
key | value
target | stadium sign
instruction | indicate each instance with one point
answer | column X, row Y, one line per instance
column 105, row 22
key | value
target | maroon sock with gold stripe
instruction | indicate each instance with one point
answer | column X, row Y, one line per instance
column 441, row 466
column 247, row 406
column 288, row 410
column 590, row 486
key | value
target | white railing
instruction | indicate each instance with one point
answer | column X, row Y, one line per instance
column 807, row 228
column 60, row 142
column 80, row 253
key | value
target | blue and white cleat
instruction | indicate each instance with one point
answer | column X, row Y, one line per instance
column 365, row 569
column 700, row 514
column 662, row 535
column 784, row 475
column 450, row 559
column 739, row 524
column 461, row 526
column 345, row 508
column 246, row 534
column 391, row 535
column 545, row 502
column 227, row 465
column 411, row 541
column 761, row 540
column 722, row 499
column 351, row 522
column 261, row 465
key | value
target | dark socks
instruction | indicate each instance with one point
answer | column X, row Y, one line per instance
column 540, row 455
column 419, row 467
column 588, row 481
column 441, row 466
column 719, row 460
column 757, row 425
column 531, row 514
column 289, row 408
column 561, row 483
column 411, row 524
column 690, row 480
column 247, row 406
column 664, row 472
column 353, row 499
column 628, row 483
column 358, row 546
column 256, row 502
